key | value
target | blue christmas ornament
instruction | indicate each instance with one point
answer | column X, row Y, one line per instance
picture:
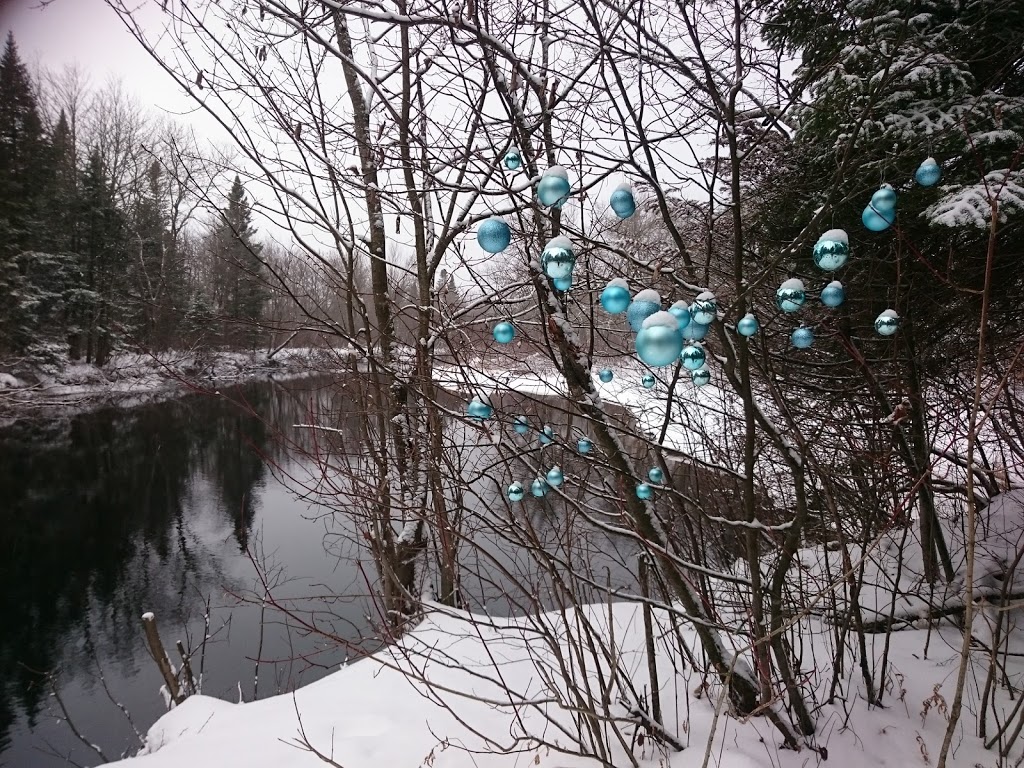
column 655, row 475
column 504, row 332
column 644, row 304
column 521, row 425
column 513, row 159
column 555, row 477
column 693, row 356
column 563, row 283
column 887, row 323
column 695, row 332
column 884, row 200
column 832, row 250
column 516, row 492
column 622, row 201
column 791, row 295
column 647, row 381
column 681, row 312
column 877, row 221
column 704, row 308
column 606, row 375
column 928, row 173
column 615, row 296
column 547, row 435
column 493, row 235
column 478, row 409
column 584, row 445
column 558, row 258
column 659, row 343
column 553, row 189
column 802, row 337
column 747, row 325
column 700, row 377
column 539, row 488
column 833, row 295
column 644, row 491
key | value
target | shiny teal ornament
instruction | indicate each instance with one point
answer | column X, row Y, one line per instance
column 928, row 173
column 539, row 488
column 504, row 332
column 547, row 435
column 887, row 323
column 606, row 375
column 644, row 304
column 647, row 381
column 791, row 295
column 877, row 221
column 659, row 342
column 704, row 309
column 479, row 410
column 563, row 284
column 644, row 491
column 695, row 332
column 521, row 425
column 832, row 250
column 584, row 445
column 802, row 337
column 516, row 492
column 833, row 295
column 615, row 296
column 747, row 325
column 553, row 189
column 655, row 475
column 493, row 235
column 884, row 200
column 555, row 476
column 681, row 312
column 558, row 258
column 693, row 356
column 622, row 201
column 700, row 377
column 513, row 160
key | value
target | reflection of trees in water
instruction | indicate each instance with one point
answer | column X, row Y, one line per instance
column 100, row 521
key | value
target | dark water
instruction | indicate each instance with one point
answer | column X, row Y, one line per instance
column 108, row 514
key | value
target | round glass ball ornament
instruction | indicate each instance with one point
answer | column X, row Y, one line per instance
column 493, row 235
column 478, row 409
column 516, row 491
column 704, row 309
column 747, row 325
column 553, row 189
column 887, row 323
column 832, row 250
column 558, row 258
column 644, row 491
column 884, row 200
column 928, row 173
column 877, row 221
column 547, row 435
column 615, row 297
column 700, row 377
column 833, row 295
column 521, row 425
column 659, row 342
column 606, row 375
column 695, row 332
column 643, row 305
column 584, row 445
column 622, row 201
column 791, row 295
column 802, row 337
column 539, row 488
column 681, row 312
column 555, row 476
column 693, row 356
column 513, row 160
column 562, row 284
column 647, row 381
column 504, row 332
column 655, row 475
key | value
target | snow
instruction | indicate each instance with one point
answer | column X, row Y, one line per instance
column 705, row 296
column 557, row 170
column 794, row 283
column 9, row 382
column 618, row 282
column 834, row 283
column 648, row 294
column 666, row 319
column 624, row 185
column 148, row 616
column 888, row 313
column 837, row 235
column 681, row 306
column 559, row 242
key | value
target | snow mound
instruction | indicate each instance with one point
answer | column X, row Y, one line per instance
column 837, row 235
column 661, row 318
column 648, row 294
column 794, row 283
column 557, row 170
column 618, row 282
column 559, row 242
